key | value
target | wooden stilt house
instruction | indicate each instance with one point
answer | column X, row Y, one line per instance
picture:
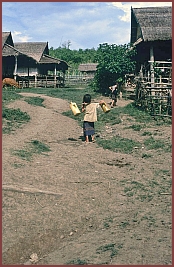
column 151, row 35
column 30, row 63
column 88, row 70
column 9, row 56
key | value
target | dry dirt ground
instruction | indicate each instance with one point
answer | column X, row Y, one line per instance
column 94, row 206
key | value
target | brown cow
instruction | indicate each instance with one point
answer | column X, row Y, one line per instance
column 10, row 81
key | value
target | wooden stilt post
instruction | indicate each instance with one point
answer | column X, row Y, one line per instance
column 55, row 71
column 151, row 66
column 15, row 69
column 35, row 81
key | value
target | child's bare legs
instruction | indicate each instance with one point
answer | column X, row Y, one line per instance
column 114, row 101
column 87, row 139
column 92, row 137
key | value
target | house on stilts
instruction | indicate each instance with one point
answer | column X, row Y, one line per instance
column 29, row 63
column 151, row 36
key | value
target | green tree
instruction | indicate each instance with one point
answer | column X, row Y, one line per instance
column 114, row 61
column 74, row 57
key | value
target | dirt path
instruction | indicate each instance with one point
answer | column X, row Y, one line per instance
column 90, row 219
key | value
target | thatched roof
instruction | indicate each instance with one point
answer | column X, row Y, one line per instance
column 37, row 51
column 33, row 49
column 7, row 38
column 9, row 51
column 46, row 59
column 151, row 24
column 88, row 67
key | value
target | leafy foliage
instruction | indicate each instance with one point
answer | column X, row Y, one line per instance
column 74, row 57
column 114, row 61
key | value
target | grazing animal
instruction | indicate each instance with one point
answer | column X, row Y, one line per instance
column 10, row 81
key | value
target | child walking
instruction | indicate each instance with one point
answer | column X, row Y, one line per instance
column 90, row 110
column 114, row 92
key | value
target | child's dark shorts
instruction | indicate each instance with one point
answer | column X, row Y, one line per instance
column 88, row 128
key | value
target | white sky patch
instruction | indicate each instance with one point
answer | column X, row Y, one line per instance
column 126, row 7
column 20, row 37
column 15, row 33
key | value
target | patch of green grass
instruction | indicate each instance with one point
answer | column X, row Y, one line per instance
column 39, row 147
column 139, row 190
column 35, row 101
column 137, row 113
column 73, row 94
column 9, row 96
column 70, row 114
column 15, row 115
column 152, row 143
column 146, row 197
column 124, row 224
column 110, row 117
column 18, row 165
column 35, row 147
column 146, row 133
column 153, row 183
column 136, row 127
column 150, row 219
column 23, row 154
column 108, row 247
column 146, row 156
column 163, row 173
column 119, row 144
column 107, row 222
column 13, row 118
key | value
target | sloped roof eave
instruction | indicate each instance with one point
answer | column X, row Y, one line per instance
column 14, row 51
column 155, row 22
column 34, row 50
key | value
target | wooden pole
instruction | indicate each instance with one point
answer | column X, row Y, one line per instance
column 151, row 67
column 35, row 81
column 55, row 71
column 15, row 69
